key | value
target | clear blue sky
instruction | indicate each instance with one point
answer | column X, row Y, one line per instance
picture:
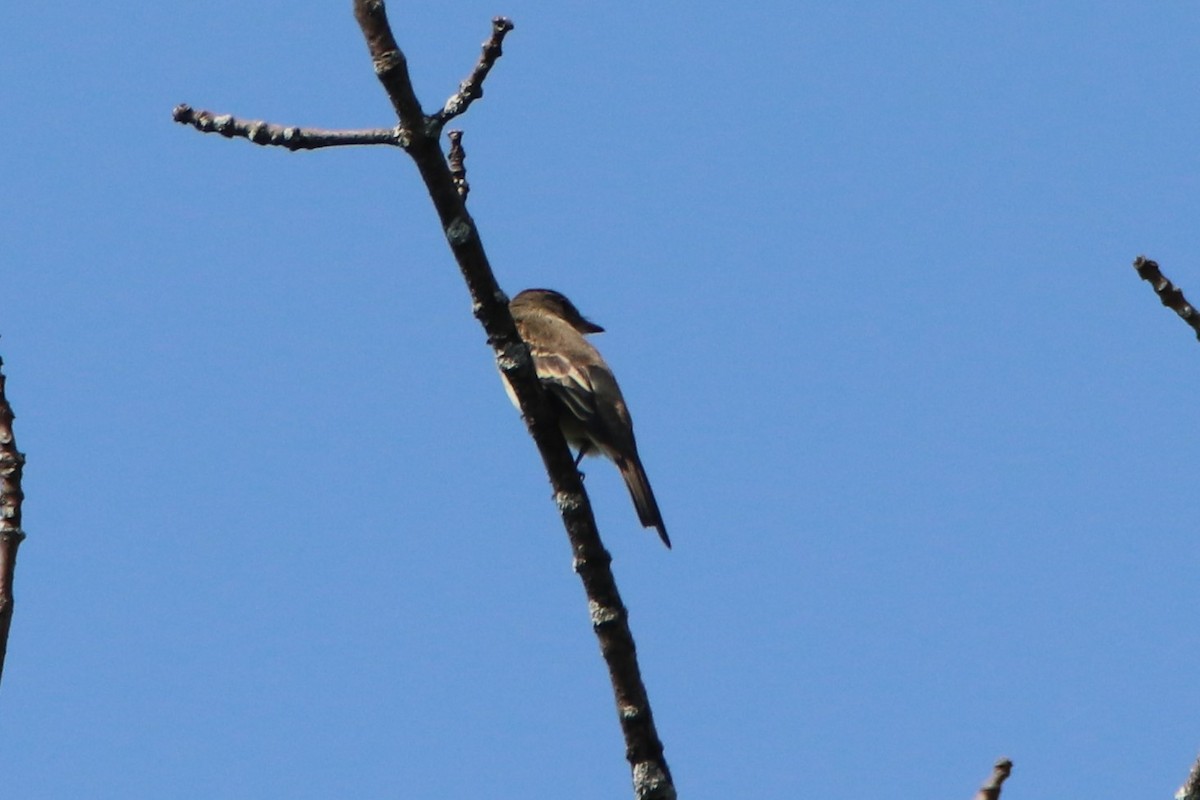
column 924, row 442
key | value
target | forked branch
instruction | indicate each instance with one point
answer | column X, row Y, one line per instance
column 420, row 136
column 643, row 749
column 404, row 100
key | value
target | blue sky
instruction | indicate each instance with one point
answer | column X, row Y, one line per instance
column 919, row 433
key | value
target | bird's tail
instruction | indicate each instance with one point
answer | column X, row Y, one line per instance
column 643, row 496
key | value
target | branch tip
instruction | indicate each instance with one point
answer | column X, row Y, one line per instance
column 1168, row 293
column 457, row 159
column 290, row 136
column 471, row 89
column 1000, row 772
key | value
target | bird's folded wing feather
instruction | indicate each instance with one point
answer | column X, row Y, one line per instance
column 567, row 382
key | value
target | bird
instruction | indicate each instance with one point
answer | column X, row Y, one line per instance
column 583, row 391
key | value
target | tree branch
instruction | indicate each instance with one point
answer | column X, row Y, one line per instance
column 291, row 137
column 391, row 67
column 420, row 135
column 471, row 89
column 458, row 166
column 1191, row 787
column 643, row 750
column 991, row 789
column 12, row 464
column 1170, row 295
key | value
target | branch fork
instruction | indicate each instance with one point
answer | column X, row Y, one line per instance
column 390, row 64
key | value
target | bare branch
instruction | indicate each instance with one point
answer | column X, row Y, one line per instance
column 643, row 749
column 991, row 789
column 419, row 135
column 291, row 137
column 1170, row 295
column 471, row 89
column 1191, row 787
column 458, row 167
column 391, row 67
column 12, row 464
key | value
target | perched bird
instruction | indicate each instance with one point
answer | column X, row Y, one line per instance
column 583, row 391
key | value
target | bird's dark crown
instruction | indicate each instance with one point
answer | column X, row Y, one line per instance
column 558, row 305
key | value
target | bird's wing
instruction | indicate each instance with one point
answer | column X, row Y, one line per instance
column 611, row 412
column 566, row 381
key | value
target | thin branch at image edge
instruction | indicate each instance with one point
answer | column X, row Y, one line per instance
column 1191, row 787
column 12, row 464
column 1170, row 295
column 1000, row 772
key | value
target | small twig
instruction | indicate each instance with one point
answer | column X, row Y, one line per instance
column 991, row 789
column 1170, row 295
column 1191, row 787
column 471, row 89
column 289, row 136
column 12, row 464
column 458, row 167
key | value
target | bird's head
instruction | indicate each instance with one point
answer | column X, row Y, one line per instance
column 557, row 304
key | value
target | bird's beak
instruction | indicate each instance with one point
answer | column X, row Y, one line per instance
column 591, row 327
